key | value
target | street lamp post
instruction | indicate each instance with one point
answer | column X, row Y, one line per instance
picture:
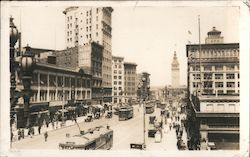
column 143, row 92
column 27, row 66
column 102, row 92
column 13, row 100
column 63, row 99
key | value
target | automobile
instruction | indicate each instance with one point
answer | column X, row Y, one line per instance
column 140, row 146
column 89, row 117
column 109, row 114
column 211, row 146
column 97, row 115
column 152, row 131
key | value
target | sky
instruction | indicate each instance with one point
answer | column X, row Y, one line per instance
column 147, row 36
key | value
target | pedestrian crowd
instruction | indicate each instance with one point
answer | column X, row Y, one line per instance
column 177, row 123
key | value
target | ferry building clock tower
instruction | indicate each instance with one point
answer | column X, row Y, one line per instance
column 175, row 72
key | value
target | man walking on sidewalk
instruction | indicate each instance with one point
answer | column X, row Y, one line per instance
column 45, row 136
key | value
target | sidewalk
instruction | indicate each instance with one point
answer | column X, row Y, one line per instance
column 48, row 129
column 168, row 141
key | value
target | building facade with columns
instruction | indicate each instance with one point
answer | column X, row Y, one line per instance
column 54, row 87
column 213, row 91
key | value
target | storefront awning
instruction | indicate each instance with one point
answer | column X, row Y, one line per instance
column 63, row 110
column 71, row 108
column 41, row 112
column 56, row 103
column 98, row 106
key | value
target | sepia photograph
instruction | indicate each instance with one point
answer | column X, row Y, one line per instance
column 146, row 78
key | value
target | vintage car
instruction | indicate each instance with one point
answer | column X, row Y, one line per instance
column 97, row 115
column 89, row 117
column 109, row 114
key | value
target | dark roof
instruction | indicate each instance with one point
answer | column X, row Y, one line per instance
column 38, row 50
column 130, row 63
column 77, row 71
column 214, row 32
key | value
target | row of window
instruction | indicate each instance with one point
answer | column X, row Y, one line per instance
column 220, row 107
column 118, row 66
column 119, row 77
column 89, row 13
column 215, row 41
column 107, row 68
column 129, row 78
column 117, row 61
column 119, row 88
column 216, row 67
column 119, row 71
column 130, row 72
column 129, row 83
column 221, row 92
column 58, row 81
column 214, row 53
column 119, row 82
column 118, row 93
column 60, row 96
column 216, row 76
column 117, row 100
column 217, row 84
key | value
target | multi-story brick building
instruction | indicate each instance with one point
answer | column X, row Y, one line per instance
column 130, row 88
column 86, row 24
column 213, row 89
column 89, row 58
column 118, row 79
column 52, row 88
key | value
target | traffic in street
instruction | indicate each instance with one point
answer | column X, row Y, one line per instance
column 125, row 132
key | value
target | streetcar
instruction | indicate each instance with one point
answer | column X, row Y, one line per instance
column 98, row 111
column 93, row 139
column 149, row 108
column 126, row 112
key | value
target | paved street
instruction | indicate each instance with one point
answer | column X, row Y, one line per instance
column 125, row 132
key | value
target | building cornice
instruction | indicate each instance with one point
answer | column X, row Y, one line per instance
column 51, row 67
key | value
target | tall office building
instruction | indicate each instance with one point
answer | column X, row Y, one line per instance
column 214, row 87
column 86, row 24
column 130, row 88
column 118, row 79
column 175, row 72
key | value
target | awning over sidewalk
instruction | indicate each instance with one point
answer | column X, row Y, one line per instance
column 63, row 110
column 56, row 103
column 71, row 108
column 98, row 106
column 40, row 112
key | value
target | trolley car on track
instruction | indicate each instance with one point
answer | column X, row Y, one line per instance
column 93, row 139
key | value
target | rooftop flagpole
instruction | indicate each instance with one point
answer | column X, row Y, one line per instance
column 200, row 54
